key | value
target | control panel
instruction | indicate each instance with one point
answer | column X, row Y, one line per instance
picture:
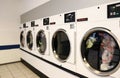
column 46, row 21
column 32, row 23
column 25, row 26
column 69, row 17
column 113, row 10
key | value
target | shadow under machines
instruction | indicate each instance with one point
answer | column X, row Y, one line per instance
column 85, row 41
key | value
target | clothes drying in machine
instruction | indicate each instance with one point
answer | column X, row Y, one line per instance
column 30, row 37
column 22, row 36
column 41, row 42
column 29, row 40
column 98, row 46
column 42, row 38
column 100, row 51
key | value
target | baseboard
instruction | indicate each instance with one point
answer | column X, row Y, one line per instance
column 40, row 74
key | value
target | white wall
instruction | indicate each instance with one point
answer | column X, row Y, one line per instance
column 27, row 5
column 9, row 22
column 10, row 11
column 9, row 30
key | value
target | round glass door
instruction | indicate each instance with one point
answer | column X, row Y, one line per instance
column 22, row 39
column 61, row 45
column 30, row 40
column 100, row 51
column 41, row 42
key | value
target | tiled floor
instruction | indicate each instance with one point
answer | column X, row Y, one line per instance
column 16, row 70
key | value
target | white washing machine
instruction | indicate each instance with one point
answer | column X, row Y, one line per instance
column 98, row 43
column 42, row 38
column 55, row 21
column 62, row 40
column 22, row 36
column 35, row 25
column 30, row 37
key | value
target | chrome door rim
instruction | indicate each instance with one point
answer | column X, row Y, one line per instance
column 101, row 73
column 54, row 52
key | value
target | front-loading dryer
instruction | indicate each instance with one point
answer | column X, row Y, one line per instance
column 62, row 40
column 98, row 43
column 22, row 36
column 30, row 37
column 55, row 21
column 42, row 38
column 35, row 26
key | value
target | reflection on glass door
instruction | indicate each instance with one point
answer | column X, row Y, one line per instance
column 30, row 40
column 61, row 45
column 22, row 39
column 100, row 50
column 41, row 42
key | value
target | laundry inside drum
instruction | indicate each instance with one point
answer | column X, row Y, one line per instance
column 30, row 40
column 100, row 50
column 41, row 42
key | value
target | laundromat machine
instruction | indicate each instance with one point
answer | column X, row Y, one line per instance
column 98, row 41
column 22, row 36
column 42, row 38
column 81, row 42
column 23, row 30
column 62, row 46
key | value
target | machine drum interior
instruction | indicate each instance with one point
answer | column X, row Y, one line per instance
column 41, row 42
column 30, row 40
column 22, row 39
column 101, row 51
column 61, row 46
